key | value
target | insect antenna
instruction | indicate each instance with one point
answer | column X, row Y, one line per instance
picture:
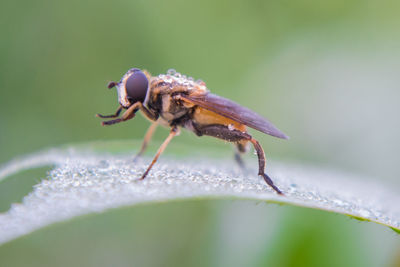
column 111, row 84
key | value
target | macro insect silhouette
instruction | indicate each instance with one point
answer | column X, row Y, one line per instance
column 176, row 101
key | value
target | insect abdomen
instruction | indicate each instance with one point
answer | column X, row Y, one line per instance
column 203, row 117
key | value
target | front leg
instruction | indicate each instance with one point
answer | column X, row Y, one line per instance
column 128, row 114
column 149, row 114
column 115, row 115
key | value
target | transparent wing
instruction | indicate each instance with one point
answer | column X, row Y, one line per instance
column 234, row 111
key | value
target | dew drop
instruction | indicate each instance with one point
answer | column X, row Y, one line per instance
column 171, row 72
column 167, row 79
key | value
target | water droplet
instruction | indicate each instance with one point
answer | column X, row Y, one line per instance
column 171, row 72
column 82, row 183
column 231, row 127
column 167, row 79
column 365, row 213
column 103, row 164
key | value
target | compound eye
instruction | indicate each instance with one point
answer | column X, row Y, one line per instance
column 136, row 87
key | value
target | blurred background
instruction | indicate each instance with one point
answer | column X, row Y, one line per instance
column 324, row 72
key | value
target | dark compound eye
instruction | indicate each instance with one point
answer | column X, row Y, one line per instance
column 136, row 87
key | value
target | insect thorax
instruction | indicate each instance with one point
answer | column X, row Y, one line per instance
column 164, row 87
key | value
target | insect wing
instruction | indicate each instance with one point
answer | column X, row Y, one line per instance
column 234, row 111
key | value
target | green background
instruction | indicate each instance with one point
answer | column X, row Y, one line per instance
column 324, row 72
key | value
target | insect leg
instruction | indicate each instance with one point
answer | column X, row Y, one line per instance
column 128, row 114
column 239, row 160
column 116, row 114
column 146, row 139
column 223, row 132
column 261, row 165
column 240, row 149
column 174, row 131
column 111, row 122
column 148, row 113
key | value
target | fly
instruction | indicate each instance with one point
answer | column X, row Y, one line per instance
column 176, row 101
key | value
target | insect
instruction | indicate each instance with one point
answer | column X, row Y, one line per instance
column 176, row 101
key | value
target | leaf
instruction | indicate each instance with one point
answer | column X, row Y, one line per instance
column 86, row 179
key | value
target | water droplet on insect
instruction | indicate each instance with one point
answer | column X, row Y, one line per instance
column 171, row 72
column 230, row 127
column 167, row 79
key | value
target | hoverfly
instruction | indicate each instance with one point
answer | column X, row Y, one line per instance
column 176, row 101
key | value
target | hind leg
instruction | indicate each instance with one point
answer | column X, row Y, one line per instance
column 224, row 133
column 261, row 165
